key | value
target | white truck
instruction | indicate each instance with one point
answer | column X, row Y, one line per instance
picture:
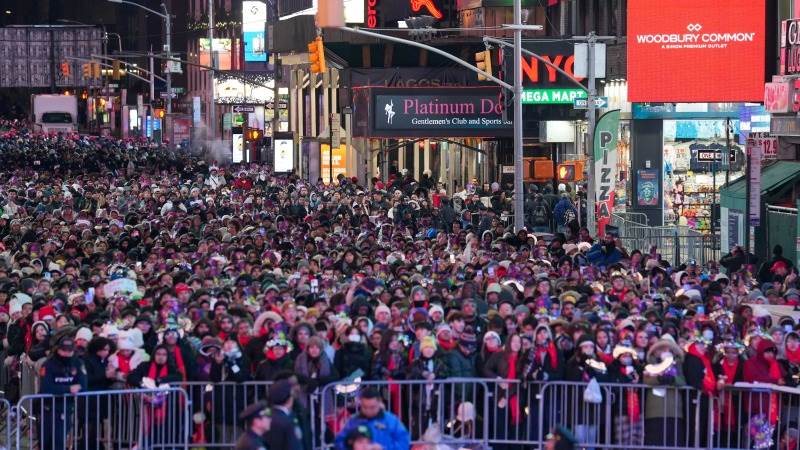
column 53, row 113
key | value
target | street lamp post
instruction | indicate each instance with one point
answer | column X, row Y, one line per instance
column 167, row 48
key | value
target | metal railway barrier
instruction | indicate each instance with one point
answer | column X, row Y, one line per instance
column 135, row 418
column 216, row 407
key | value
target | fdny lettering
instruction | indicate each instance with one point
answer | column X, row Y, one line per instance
column 64, row 379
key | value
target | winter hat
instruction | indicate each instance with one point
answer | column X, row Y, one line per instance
column 84, row 333
column 427, row 342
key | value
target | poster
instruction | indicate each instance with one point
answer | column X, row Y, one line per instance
column 254, row 18
column 339, row 162
column 647, row 187
column 606, row 134
column 284, row 155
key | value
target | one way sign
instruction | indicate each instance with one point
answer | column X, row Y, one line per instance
column 244, row 108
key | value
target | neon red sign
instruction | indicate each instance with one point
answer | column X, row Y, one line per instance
column 372, row 14
column 417, row 5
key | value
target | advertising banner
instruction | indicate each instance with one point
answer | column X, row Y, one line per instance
column 222, row 47
column 755, row 150
column 339, row 162
column 284, row 155
column 647, row 187
column 438, row 113
column 181, row 130
column 696, row 51
column 605, row 167
column 254, row 19
column 776, row 97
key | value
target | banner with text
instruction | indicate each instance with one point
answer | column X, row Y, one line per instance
column 466, row 112
column 605, row 167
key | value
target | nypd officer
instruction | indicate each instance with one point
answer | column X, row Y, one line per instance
column 61, row 375
column 257, row 418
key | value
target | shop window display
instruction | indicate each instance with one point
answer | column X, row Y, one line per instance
column 695, row 167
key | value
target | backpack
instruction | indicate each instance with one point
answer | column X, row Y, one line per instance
column 540, row 215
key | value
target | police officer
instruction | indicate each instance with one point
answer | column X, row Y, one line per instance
column 61, row 375
column 284, row 433
column 257, row 417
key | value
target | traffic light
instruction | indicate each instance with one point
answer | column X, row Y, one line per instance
column 254, row 134
column 87, row 70
column 65, row 69
column 84, row 95
column 570, row 171
column 159, row 113
column 96, row 70
column 115, row 70
column 483, row 60
column 537, row 169
column 316, row 56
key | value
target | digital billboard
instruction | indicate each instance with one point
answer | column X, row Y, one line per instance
column 254, row 18
column 696, row 50
column 222, row 47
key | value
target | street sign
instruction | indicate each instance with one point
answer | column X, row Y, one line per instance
column 583, row 103
column 244, row 108
column 165, row 95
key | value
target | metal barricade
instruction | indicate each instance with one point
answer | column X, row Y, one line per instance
column 216, row 407
column 756, row 416
column 134, row 418
column 6, row 424
column 450, row 411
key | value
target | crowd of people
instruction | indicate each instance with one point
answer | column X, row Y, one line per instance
column 128, row 264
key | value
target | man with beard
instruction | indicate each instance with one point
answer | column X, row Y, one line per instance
column 604, row 253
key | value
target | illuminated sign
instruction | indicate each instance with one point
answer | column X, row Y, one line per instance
column 254, row 19
column 222, row 48
column 553, row 96
column 284, row 155
column 236, row 91
column 696, row 51
column 429, row 8
column 372, row 13
column 339, row 160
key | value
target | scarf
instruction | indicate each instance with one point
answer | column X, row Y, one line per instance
column 394, row 389
column 550, row 351
column 176, row 353
column 446, row 345
column 631, row 399
column 709, row 382
column 124, row 363
column 159, row 411
column 729, row 369
column 512, row 375
column 793, row 356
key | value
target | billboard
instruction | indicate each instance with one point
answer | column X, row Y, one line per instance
column 222, row 47
column 235, row 90
column 284, row 155
column 254, row 19
column 443, row 112
column 696, row 51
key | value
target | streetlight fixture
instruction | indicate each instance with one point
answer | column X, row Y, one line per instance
column 167, row 48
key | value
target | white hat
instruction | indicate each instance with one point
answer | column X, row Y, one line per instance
column 84, row 333
column 434, row 309
column 382, row 308
column 125, row 343
column 17, row 301
column 562, row 187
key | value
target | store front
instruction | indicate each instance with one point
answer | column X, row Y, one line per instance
column 451, row 133
column 684, row 154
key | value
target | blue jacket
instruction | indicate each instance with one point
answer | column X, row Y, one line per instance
column 597, row 256
column 386, row 430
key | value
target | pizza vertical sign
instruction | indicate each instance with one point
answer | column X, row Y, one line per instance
column 605, row 167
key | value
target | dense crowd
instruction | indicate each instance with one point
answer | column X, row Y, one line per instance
column 138, row 264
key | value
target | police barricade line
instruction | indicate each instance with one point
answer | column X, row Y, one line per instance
column 756, row 416
column 6, row 425
column 513, row 411
column 135, row 418
column 452, row 411
column 216, row 407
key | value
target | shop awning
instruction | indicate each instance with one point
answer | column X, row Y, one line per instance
column 773, row 178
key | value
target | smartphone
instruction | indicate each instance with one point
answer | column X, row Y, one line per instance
column 491, row 271
column 314, row 285
column 452, row 259
column 479, row 274
column 89, row 296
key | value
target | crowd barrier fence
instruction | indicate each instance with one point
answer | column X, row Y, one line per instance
column 459, row 413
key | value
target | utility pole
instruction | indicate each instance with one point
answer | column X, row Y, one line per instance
column 519, row 214
column 212, row 110
column 168, row 50
column 591, row 208
column 152, row 79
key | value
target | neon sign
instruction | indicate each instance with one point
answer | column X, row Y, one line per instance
column 372, row 13
column 417, row 5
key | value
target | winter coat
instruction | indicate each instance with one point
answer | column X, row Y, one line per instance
column 669, row 405
column 351, row 357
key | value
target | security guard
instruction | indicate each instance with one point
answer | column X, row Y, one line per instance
column 257, row 417
column 61, row 375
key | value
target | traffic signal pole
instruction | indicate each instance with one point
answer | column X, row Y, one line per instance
column 519, row 191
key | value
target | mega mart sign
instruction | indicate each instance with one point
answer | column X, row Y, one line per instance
column 553, row 96
column 438, row 112
column 696, row 51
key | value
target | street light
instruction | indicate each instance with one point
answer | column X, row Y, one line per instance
column 167, row 47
